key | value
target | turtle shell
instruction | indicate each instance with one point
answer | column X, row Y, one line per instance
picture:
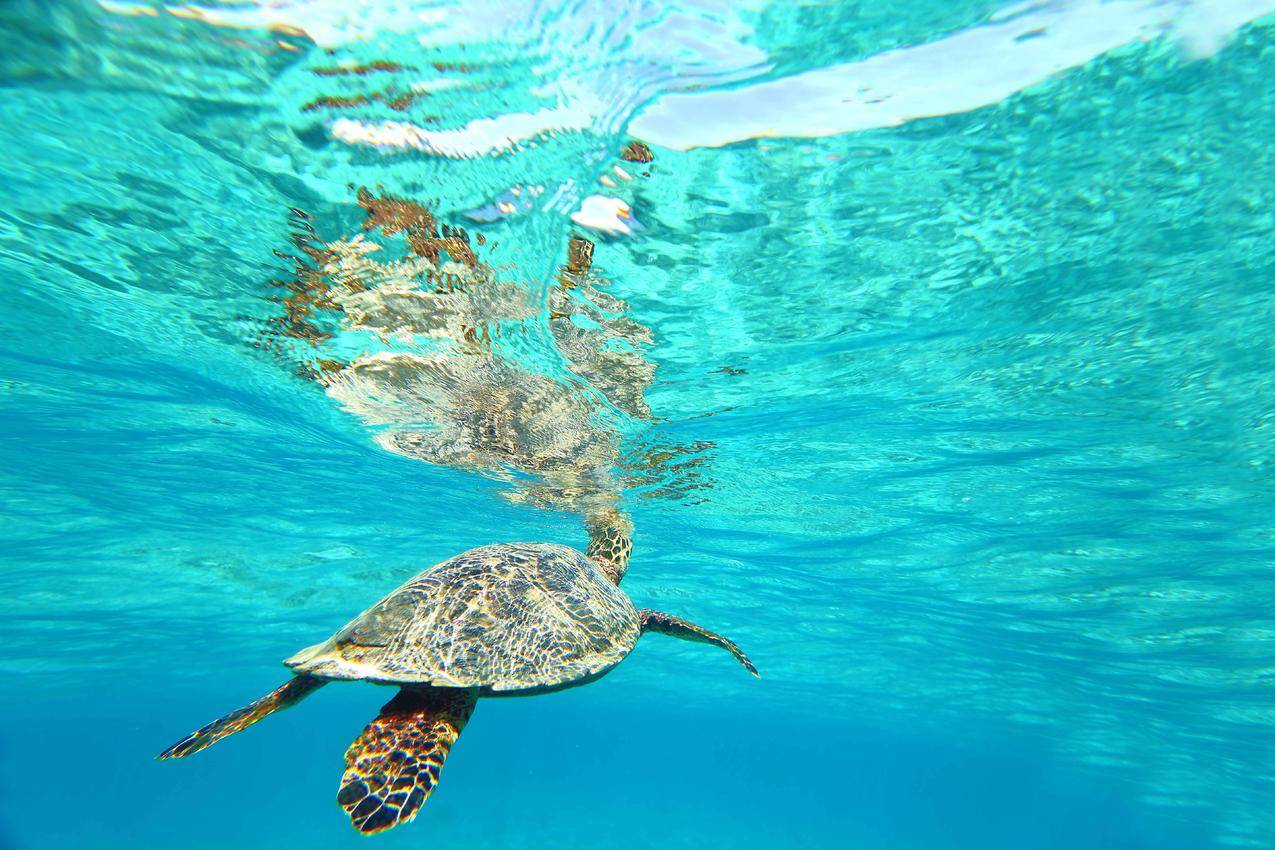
column 508, row 617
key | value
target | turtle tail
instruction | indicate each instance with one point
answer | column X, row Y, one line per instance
column 393, row 766
column 289, row 693
column 610, row 541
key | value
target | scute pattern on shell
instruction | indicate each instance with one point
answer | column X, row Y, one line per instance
column 506, row 617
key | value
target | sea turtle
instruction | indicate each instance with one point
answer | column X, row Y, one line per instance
column 508, row 619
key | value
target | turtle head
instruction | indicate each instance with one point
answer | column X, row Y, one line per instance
column 610, row 542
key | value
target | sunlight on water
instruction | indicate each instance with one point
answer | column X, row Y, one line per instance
column 927, row 350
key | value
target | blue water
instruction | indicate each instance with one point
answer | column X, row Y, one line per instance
column 962, row 419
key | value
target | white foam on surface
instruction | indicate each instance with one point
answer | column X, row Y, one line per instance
column 478, row 137
column 604, row 213
column 1020, row 47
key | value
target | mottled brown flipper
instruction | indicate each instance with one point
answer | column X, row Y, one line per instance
column 289, row 693
column 667, row 624
column 393, row 766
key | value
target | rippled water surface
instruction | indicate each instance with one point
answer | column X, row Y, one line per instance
column 960, row 422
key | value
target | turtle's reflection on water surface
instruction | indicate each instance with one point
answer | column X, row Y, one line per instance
column 432, row 373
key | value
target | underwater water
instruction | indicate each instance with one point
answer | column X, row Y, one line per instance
column 961, row 420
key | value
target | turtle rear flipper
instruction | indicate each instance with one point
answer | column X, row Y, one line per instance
column 667, row 624
column 289, row 693
column 393, row 766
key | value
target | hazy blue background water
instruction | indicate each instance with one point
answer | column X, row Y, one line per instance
column 986, row 490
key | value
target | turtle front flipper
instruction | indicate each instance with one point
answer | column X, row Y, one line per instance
column 289, row 693
column 393, row 766
column 667, row 624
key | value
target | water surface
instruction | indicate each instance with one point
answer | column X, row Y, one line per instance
column 961, row 421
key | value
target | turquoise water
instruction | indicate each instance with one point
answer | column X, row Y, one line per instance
column 962, row 418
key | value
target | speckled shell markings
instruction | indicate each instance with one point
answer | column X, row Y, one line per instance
column 507, row 617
